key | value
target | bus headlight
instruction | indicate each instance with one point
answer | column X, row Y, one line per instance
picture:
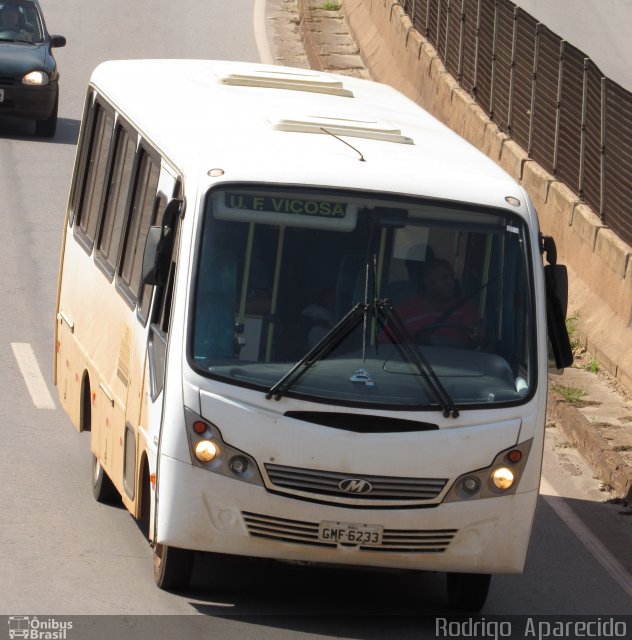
column 206, row 450
column 210, row 451
column 501, row 478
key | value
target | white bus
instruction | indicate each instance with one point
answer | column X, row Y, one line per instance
column 302, row 320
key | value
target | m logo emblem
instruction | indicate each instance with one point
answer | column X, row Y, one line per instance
column 355, row 485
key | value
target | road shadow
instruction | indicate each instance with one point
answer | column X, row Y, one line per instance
column 329, row 601
column 18, row 129
column 267, row 587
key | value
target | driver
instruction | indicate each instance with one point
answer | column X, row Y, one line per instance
column 10, row 19
column 436, row 316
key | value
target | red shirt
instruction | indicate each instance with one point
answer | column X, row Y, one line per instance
column 417, row 314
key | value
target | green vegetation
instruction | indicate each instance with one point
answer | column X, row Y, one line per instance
column 592, row 365
column 571, row 327
column 330, row 5
column 570, row 394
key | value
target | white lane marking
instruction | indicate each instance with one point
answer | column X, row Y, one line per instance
column 616, row 570
column 32, row 375
column 261, row 39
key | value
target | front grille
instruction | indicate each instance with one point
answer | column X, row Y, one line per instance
column 393, row 540
column 328, row 483
column 6, row 80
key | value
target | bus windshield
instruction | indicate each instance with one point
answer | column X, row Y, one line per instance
column 363, row 300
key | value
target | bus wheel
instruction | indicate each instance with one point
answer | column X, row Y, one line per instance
column 468, row 591
column 172, row 567
column 102, row 488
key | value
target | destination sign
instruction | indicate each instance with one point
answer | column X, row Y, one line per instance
column 285, row 209
column 279, row 204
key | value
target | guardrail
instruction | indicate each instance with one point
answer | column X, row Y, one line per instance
column 543, row 92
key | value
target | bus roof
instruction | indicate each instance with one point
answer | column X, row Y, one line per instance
column 261, row 123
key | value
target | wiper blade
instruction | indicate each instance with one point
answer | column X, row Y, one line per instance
column 20, row 40
column 391, row 321
column 328, row 343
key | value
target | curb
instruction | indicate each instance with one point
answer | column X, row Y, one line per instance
column 596, row 451
column 328, row 43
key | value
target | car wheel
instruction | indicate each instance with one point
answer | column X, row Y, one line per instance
column 102, row 487
column 467, row 591
column 172, row 567
column 46, row 128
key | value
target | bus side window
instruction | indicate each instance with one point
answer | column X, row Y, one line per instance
column 142, row 216
column 159, row 332
column 119, row 179
column 164, row 310
column 144, row 296
column 93, row 179
column 161, row 308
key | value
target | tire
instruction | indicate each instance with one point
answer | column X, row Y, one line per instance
column 467, row 591
column 102, row 488
column 173, row 567
column 144, row 517
column 47, row 128
column 86, row 406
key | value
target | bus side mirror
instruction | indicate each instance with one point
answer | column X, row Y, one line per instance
column 158, row 245
column 156, row 255
column 556, row 279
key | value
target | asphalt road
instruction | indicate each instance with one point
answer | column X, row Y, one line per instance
column 61, row 553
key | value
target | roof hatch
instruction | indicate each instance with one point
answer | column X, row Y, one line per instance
column 340, row 126
column 301, row 80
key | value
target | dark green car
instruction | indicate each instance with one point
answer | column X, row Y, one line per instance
column 28, row 71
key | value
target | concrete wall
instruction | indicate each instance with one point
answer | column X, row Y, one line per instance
column 599, row 263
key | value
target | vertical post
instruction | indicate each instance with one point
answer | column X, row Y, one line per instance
column 603, row 167
column 533, row 86
column 493, row 72
column 275, row 291
column 447, row 33
column 438, row 36
column 461, row 43
column 512, row 72
column 582, row 137
column 412, row 13
column 558, row 108
column 476, row 47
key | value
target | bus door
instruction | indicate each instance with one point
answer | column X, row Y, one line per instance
column 155, row 188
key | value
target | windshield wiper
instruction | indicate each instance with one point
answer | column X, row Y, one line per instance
column 391, row 321
column 328, row 343
column 19, row 40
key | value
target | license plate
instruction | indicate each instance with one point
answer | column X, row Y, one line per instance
column 1, row 95
column 350, row 533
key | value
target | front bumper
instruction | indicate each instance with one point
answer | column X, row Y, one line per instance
column 200, row 510
column 25, row 101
